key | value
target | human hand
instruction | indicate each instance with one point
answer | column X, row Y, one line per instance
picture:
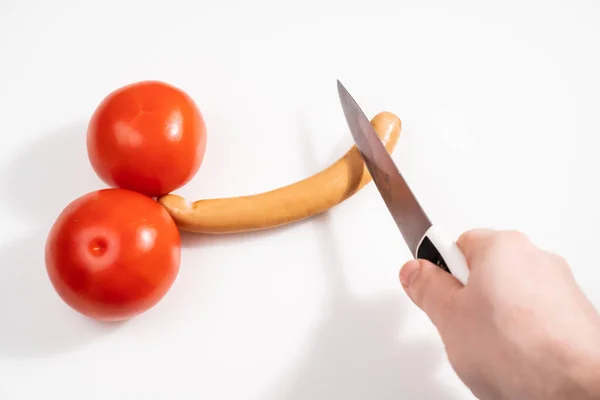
column 520, row 329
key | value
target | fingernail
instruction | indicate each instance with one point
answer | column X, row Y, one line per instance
column 408, row 272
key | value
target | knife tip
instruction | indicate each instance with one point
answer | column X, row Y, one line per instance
column 341, row 89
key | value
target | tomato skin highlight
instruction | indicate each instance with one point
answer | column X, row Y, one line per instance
column 147, row 136
column 112, row 254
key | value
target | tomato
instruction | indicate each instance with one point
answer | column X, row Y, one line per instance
column 113, row 253
column 147, row 136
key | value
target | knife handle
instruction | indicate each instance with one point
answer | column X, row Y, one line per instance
column 440, row 249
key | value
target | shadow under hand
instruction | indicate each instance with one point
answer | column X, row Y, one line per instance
column 357, row 353
column 50, row 173
column 35, row 321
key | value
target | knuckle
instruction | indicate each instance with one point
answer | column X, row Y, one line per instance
column 510, row 238
column 444, row 312
column 465, row 237
column 420, row 289
column 559, row 261
column 514, row 235
column 470, row 238
column 437, row 305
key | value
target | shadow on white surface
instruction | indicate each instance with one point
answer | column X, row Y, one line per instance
column 48, row 174
column 43, row 178
column 195, row 240
column 356, row 353
column 35, row 321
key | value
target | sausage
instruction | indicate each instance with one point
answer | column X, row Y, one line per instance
column 297, row 201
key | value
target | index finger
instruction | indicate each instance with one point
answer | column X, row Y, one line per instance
column 471, row 240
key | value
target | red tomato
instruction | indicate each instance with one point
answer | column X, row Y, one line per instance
column 113, row 253
column 147, row 136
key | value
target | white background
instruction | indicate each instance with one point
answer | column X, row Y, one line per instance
column 499, row 103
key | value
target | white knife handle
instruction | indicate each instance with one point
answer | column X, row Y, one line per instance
column 437, row 247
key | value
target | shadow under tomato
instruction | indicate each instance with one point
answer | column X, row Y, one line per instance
column 42, row 179
column 47, row 175
column 35, row 321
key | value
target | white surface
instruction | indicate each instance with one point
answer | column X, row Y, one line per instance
column 502, row 100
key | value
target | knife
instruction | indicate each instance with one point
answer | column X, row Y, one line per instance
column 425, row 240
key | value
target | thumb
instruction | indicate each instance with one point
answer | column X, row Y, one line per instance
column 430, row 288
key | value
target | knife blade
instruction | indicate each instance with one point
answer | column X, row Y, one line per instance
column 423, row 239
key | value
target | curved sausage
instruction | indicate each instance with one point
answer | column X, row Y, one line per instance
column 305, row 198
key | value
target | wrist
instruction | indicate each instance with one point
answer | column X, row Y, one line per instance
column 570, row 361
column 584, row 373
column 587, row 376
